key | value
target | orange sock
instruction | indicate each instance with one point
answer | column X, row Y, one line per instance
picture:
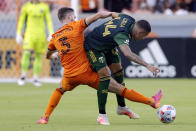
column 54, row 100
column 135, row 96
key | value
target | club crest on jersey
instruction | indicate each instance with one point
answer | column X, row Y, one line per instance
column 101, row 59
column 126, row 42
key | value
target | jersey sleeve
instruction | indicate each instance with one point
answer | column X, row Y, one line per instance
column 48, row 20
column 82, row 24
column 21, row 21
column 121, row 38
column 121, row 14
column 51, row 45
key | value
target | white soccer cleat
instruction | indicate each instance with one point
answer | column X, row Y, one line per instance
column 127, row 111
column 37, row 83
column 21, row 81
column 103, row 119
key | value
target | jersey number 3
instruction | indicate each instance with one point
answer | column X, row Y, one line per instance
column 65, row 45
column 107, row 26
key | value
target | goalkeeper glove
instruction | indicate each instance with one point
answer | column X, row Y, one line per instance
column 49, row 38
column 19, row 39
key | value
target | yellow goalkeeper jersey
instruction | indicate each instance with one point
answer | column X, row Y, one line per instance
column 35, row 16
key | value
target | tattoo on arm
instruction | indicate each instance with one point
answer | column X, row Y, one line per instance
column 137, row 59
column 131, row 55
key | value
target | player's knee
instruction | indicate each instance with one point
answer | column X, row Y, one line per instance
column 38, row 55
column 61, row 90
column 115, row 67
column 27, row 50
column 104, row 72
column 27, row 53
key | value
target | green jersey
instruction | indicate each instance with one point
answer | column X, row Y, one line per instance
column 35, row 16
column 110, row 34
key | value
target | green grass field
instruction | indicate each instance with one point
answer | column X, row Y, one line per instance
column 21, row 107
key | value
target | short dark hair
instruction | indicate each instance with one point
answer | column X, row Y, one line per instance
column 145, row 25
column 62, row 12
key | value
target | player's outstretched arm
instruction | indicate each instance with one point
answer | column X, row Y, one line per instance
column 20, row 26
column 133, row 57
column 115, row 14
column 100, row 14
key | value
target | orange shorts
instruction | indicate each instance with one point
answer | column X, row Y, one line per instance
column 89, row 78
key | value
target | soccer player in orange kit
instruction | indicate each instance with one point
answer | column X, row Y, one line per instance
column 69, row 42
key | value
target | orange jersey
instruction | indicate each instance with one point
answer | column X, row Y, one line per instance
column 69, row 41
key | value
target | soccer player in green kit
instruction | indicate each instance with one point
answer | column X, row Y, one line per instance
column 101, row 47
column 34, row 13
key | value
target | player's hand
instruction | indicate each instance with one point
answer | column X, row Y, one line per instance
column 104, row 14
column 19, row 39
column 153, row 69
column 49, row 38
column 55, row 56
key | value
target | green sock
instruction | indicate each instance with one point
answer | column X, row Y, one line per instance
column 37, row 64
column 119, row 76
column 102, row 93
column 25, row 61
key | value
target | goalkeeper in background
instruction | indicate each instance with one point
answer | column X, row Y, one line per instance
column 33, row 15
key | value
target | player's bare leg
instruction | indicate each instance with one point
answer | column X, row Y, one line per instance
column 118, row 75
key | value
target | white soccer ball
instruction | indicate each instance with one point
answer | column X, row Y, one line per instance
column 167, row 113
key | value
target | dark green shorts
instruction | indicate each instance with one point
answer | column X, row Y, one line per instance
column 99, row 59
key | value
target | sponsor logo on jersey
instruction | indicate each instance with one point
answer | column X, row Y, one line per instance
column 154, row 55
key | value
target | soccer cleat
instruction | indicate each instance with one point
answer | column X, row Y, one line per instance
column 157, row 97
column 37, row 83
column 43, row 121
column 21, row 81
column 127, row 111
column 103, row 119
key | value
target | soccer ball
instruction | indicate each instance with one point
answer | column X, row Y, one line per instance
column 167, row 113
